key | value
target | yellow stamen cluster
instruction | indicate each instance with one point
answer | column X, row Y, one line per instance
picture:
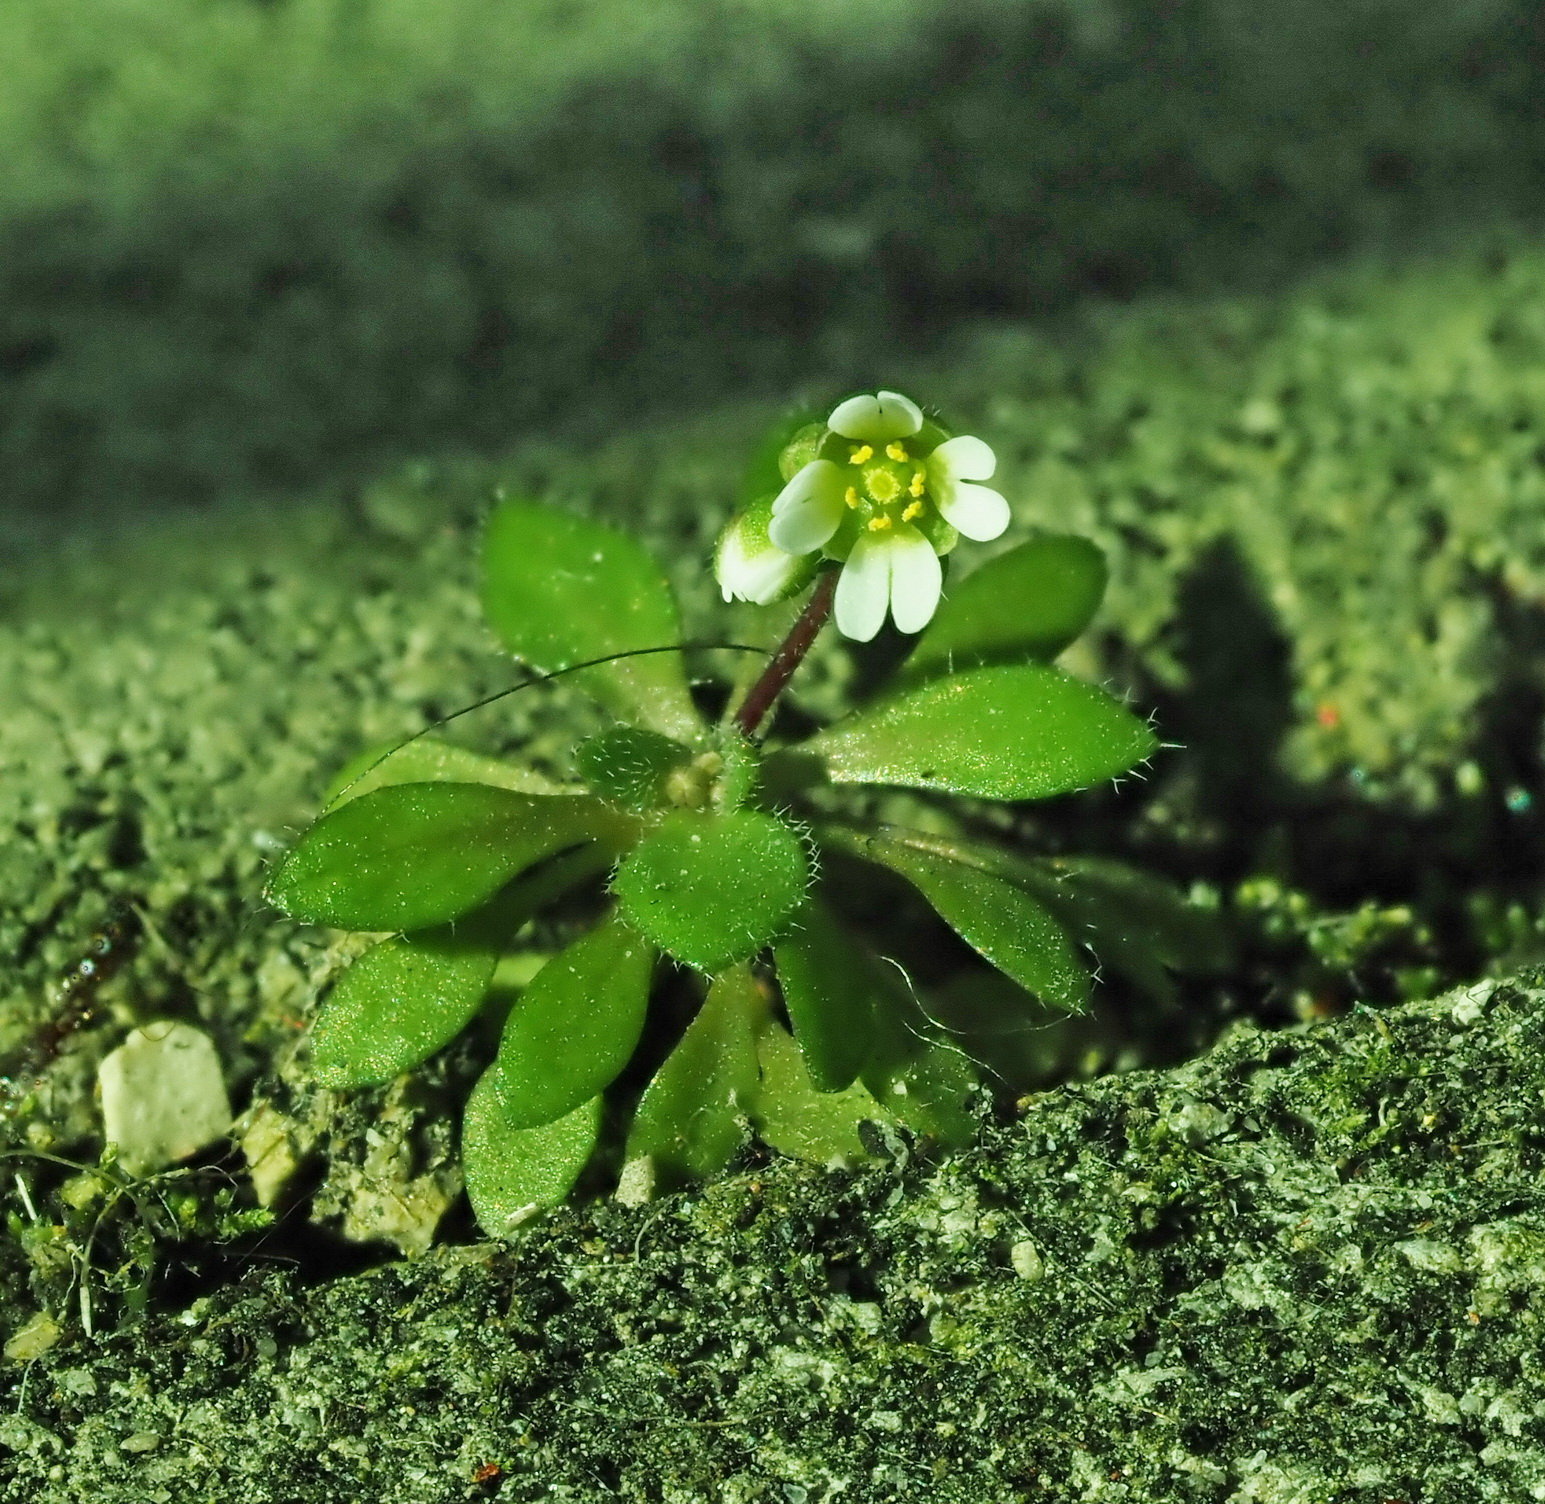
column 882, row 485
column 892, row 490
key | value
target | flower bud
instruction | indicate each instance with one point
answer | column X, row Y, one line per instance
column 749, row 566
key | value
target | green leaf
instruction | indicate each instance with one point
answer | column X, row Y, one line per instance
column 429, row 760
column 418, row 854
column 801, row 1121
column 629, row 765
column 409, row 996
column 712, row 889
column 1020, row 732
column 1030, row 602
column 1023, row 1044
column 397, row 1004
column 561, row 590
column 997, row 919
column 512, row 1173
column 575, row 1026
column 914, row 1077
column 689, row 1120
column 1137, row 925
column 829, row 992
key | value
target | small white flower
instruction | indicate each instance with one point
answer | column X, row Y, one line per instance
column 888, row 495
column 749, row 566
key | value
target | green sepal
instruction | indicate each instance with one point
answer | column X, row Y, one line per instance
column 575, row 1026
column 690, row 1118
column 629, row 765
column 712, row 889
column 408, row 997
column 426, row 759
column 1022, row 731
column 828, row 989
column 799, row 1120
column 560, row 590
column 1028, row 603
column 415, row 855
column 512, row 1173
column 996, row 918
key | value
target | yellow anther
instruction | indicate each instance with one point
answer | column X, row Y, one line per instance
column 879, row 524
column 914, row 509
column 895, row 451
column 882, row 485
column 919, row 481
column 859, row 455
column 851, row 497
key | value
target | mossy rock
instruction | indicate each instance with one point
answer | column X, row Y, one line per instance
column 1308, row 1266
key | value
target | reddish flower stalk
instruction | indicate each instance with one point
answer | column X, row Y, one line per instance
column 776, row 675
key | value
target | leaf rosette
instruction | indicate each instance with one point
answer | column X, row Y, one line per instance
column 709, row 856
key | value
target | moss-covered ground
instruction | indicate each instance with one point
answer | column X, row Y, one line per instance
column 1323, row 515
column 1309, row 1267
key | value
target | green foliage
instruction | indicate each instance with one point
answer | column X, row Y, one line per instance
column 693, row 1114
column 419, row 854
column 1021, row 732
column 708, row 870
column 575, row 1026
column 512, row 1172
column 797, row 1119
column 1029, row 603
column 560, row 591
column 432, row 222
column 830, row 995
column 629, row 765
column 997, row 919
column 429, row 760
column 400, row 1002
column 713, row 889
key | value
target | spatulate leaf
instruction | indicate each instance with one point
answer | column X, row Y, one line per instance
column 415, row 855
column 561, row 590
column 513, row 1173
column 1028, row 603
column 712, row 889
column 1023, row 731
column 689, row 1120
column 575, row 1025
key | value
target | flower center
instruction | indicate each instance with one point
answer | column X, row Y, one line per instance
column 894, row 489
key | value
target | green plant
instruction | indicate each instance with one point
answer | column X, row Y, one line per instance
column 719, row 852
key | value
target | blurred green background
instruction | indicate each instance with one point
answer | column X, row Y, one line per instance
column 253, row 244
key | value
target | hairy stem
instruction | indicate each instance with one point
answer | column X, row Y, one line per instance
column 775, row 677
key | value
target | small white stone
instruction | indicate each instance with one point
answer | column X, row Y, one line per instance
column 635, row 1185
column 163, row 1097
column 1026, row 1259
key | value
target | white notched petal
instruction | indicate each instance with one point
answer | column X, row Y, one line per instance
column 916, row 580
column 864, row 588
column 876, row 420
column 808, row 509
column 978, row 512
column 963, row 458
column 749, row 573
